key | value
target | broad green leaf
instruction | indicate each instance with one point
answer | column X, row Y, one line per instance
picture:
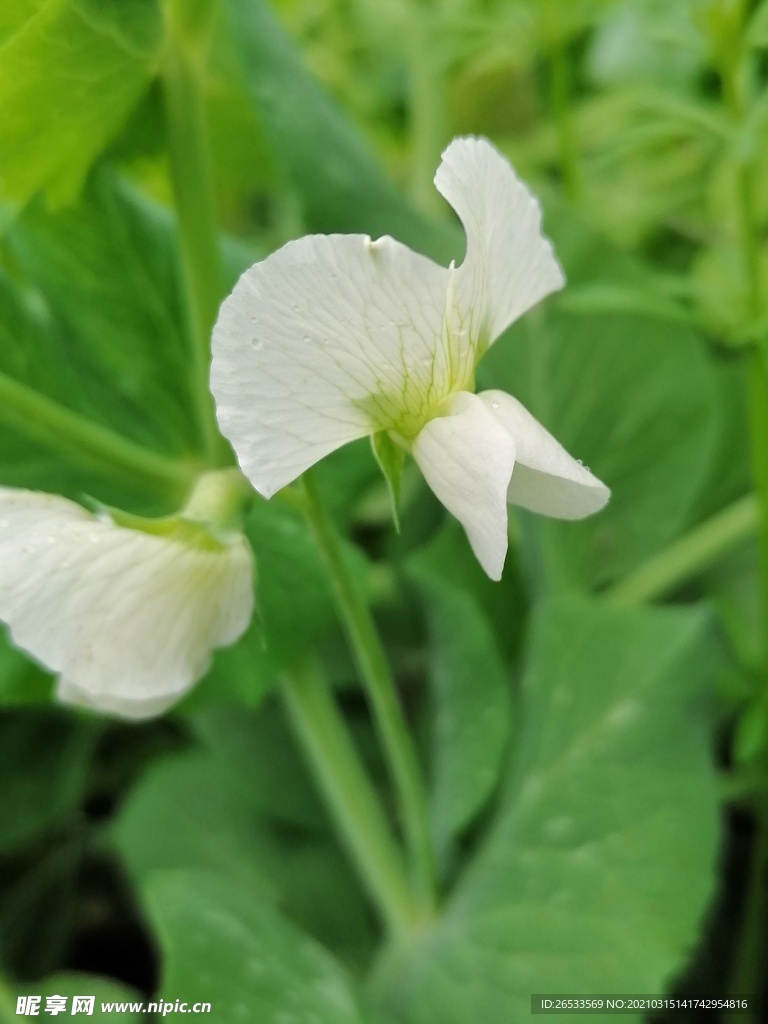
column 222, row 945
column 338, row 182
column 276, row 778
column 471, row 698
column 255, row 830
column 70, row 72
column 108, row 273
column 188, row 812
column 611, row 802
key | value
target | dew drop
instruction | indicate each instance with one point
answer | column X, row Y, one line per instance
column 494, row 405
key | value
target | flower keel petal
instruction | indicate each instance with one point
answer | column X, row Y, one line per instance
column 546, row 479
column 467, row 458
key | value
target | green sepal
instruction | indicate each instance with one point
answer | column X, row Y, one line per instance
column 390, row 457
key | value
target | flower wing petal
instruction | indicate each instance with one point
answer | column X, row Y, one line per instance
column 129, row 620
column 327, row 340
column 467, row 458
column 509, row 265
column 546, row 479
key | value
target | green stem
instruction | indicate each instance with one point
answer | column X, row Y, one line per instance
column 689, row 555
column 183, row 78
column 76, row 437
column 350, row 795
column 560, row 98
column 382, row 694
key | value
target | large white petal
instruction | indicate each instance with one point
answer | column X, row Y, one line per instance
column 546, row 479
column 327, row 340
column 467, row 457
column 509, row 265
column 127, row 619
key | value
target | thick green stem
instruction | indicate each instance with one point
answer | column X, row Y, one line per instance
column 382, row 694
column 350, row 795
column 692, row 553
column 183, row 78
column 45, row 421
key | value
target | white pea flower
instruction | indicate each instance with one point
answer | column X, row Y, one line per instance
column 335, row 337
column 126, row 611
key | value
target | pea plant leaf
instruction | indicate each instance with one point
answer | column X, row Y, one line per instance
column 98, row 56
column 610, row 801
column 223, row 945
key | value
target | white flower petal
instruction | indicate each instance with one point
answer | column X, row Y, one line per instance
column 467, row 458
column 129, row 620
column 546, row 479
column 327, row 340
column 509, row 265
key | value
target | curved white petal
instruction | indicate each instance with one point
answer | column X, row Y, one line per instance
column 546, row 479
column 327, row 340
column 509, row 265
column 467, row 458
column 127, row 619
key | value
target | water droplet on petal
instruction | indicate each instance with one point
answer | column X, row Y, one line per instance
column 494, row 405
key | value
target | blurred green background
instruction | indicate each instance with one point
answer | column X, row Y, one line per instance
column 594, row 728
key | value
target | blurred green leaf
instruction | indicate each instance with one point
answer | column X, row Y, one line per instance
column 472, row 704
column 757, row 30
column 611, row 801
column 323, row 158
column 160, row 825
column 108, row 272
column 221, row 944
column 276, row 779
column 70, row 72
column 648, row 41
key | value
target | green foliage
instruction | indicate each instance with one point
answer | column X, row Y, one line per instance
column 98, row 59
column 224, row 946
column 610, row 798
column 573, row 815
column 472, row 704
